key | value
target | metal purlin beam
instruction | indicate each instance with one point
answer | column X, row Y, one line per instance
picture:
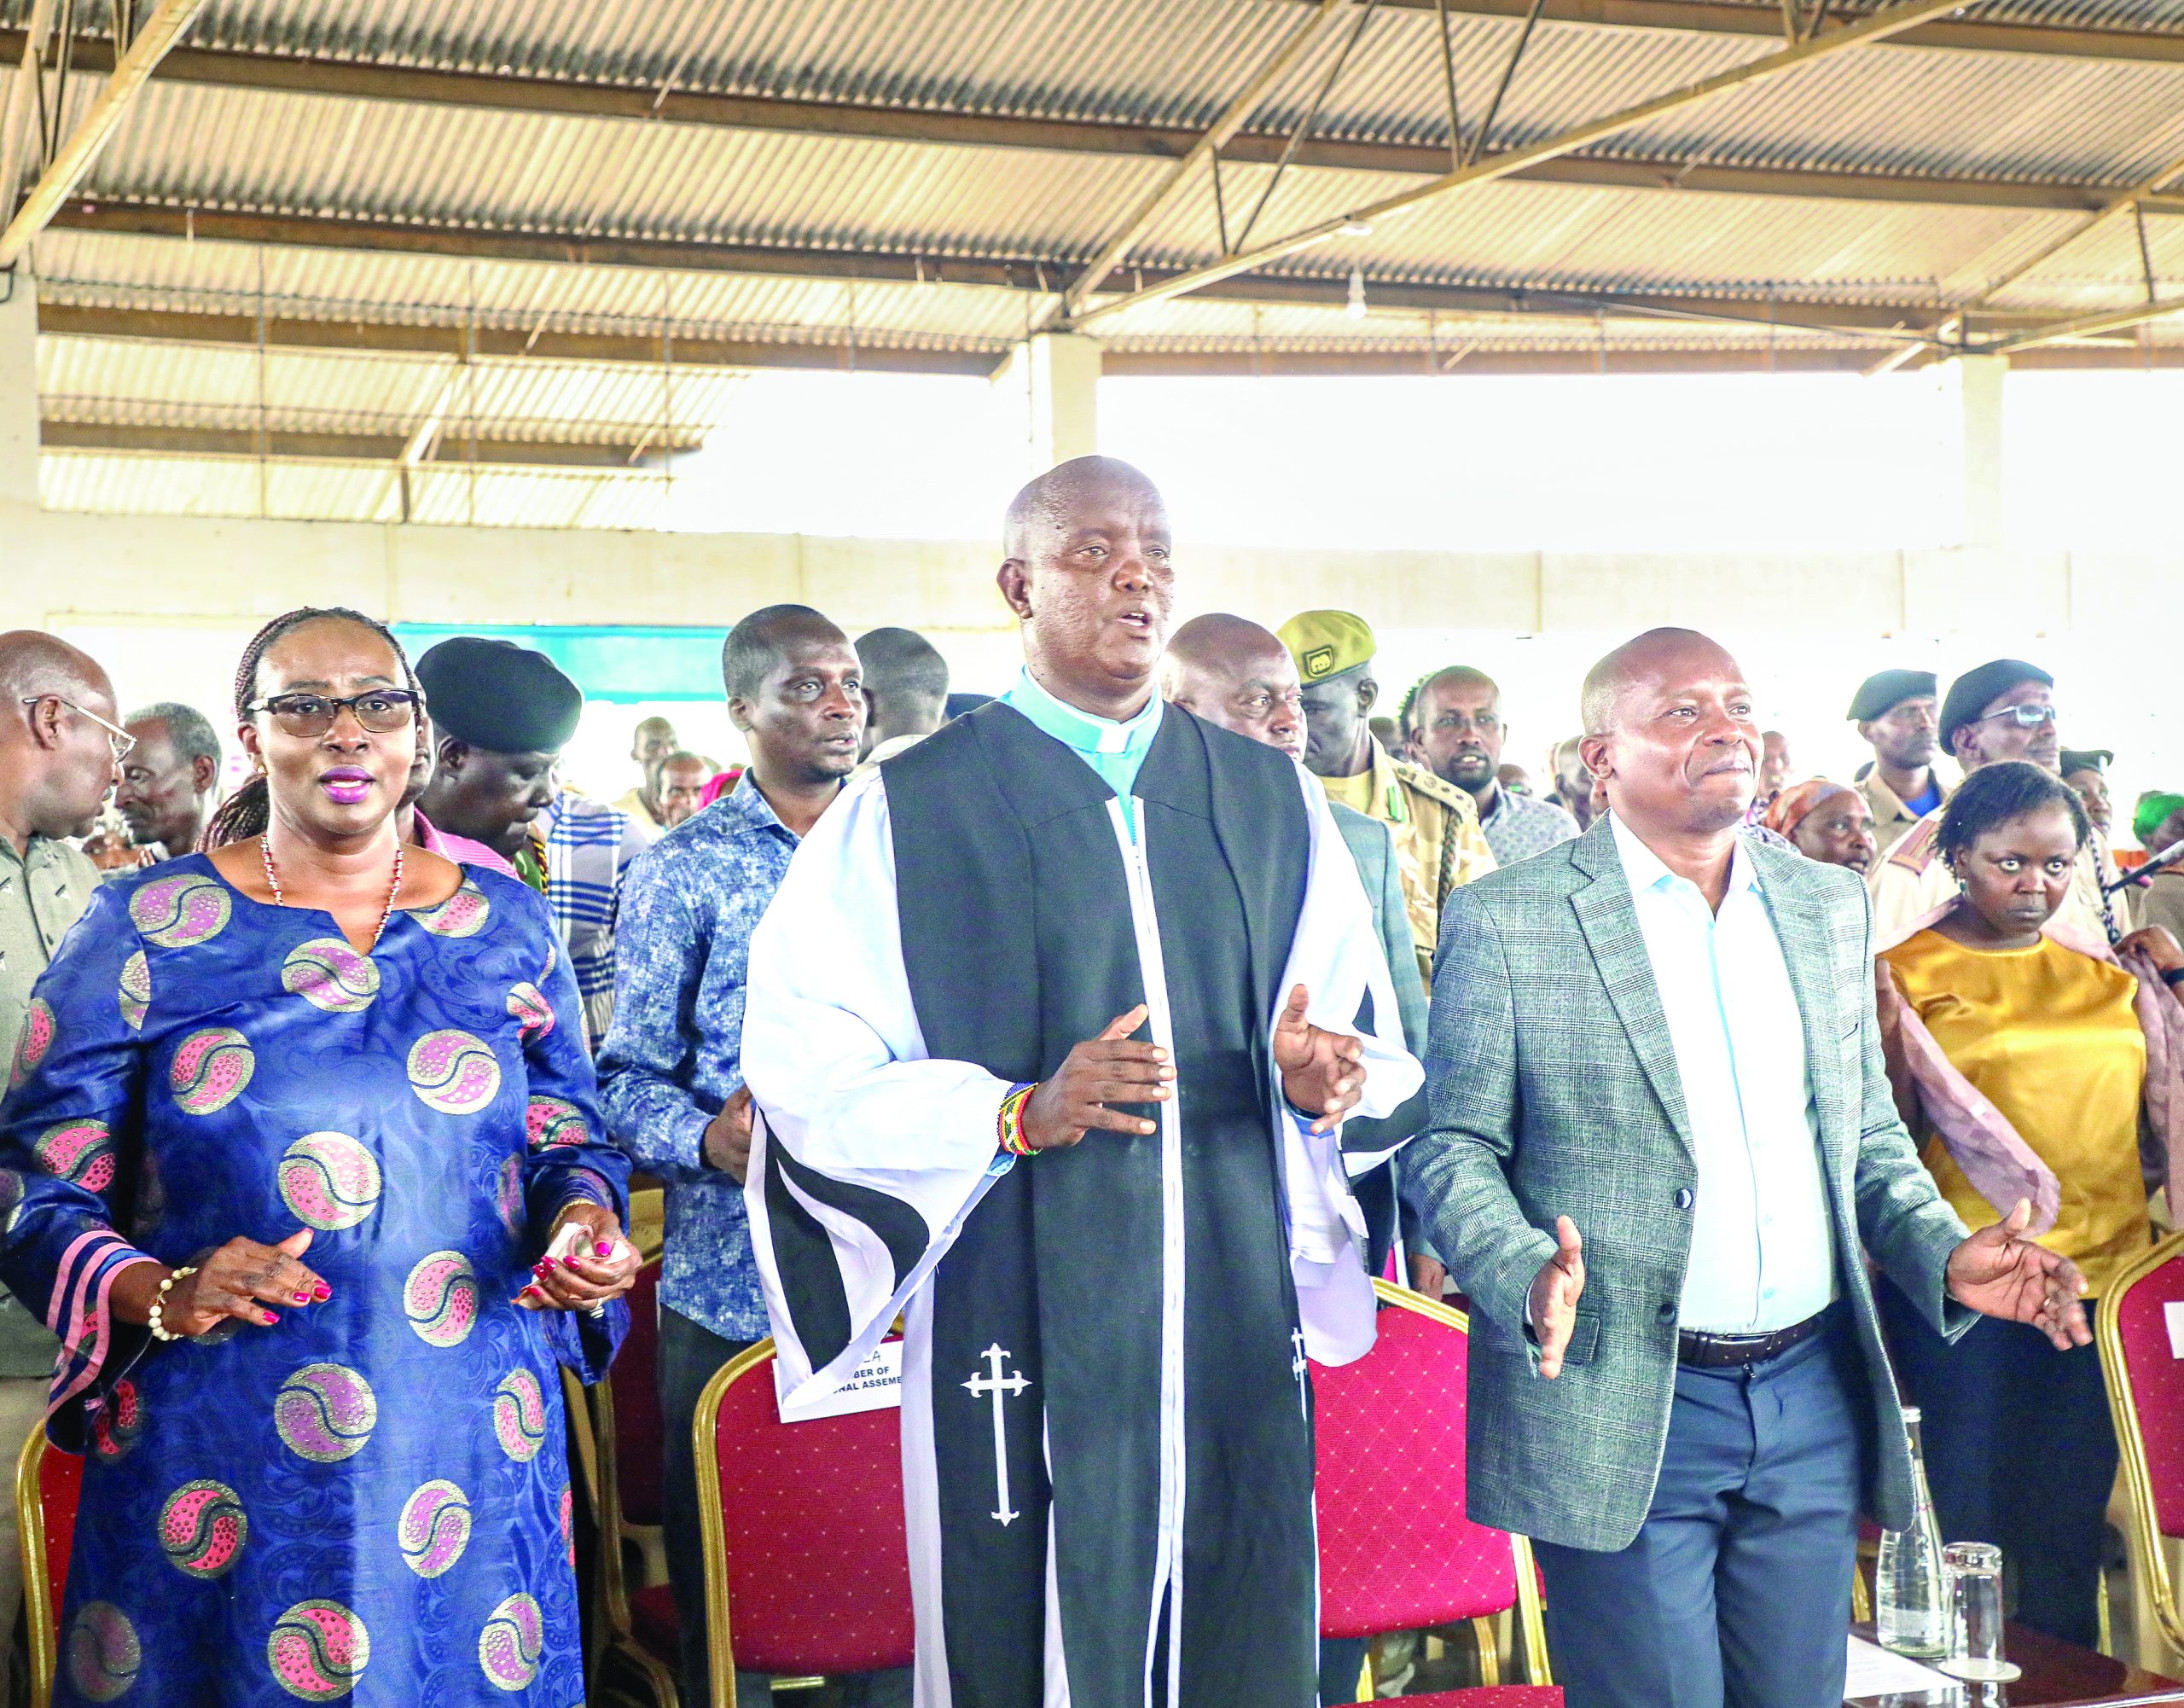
column 156, row 32
column 1890, row 21
column 21, row 97
column 1117, row 249
column 2133, row 201
column 2086, row 326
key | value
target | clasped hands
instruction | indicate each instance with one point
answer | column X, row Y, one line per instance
column 1997, row 1272
column 1322, row 1075
column 253, row 1283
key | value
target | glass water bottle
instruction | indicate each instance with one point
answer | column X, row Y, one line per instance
column 1911, row 1593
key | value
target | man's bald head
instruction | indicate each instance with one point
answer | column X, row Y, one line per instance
column 1231, row 671
column 33, row 662
column 56, row 761
column 1088, row 576
column 1668, row 731
column 1639, row 661
column 1048, row 503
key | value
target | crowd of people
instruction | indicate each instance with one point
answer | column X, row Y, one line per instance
column 1180, row 981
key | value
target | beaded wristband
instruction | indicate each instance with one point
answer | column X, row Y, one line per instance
column 160, row 1303
column 1009, row 1123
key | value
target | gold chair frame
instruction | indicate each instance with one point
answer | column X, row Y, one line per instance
column 39, row 1614
column 1531, row 1623
column 2146, row 1538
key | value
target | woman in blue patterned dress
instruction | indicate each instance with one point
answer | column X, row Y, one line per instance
column 293, row 1126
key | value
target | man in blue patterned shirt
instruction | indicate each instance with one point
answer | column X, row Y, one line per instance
column 670, row 1073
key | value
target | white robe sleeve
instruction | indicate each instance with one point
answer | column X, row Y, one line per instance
column 842, row 1083
column 1337, row 957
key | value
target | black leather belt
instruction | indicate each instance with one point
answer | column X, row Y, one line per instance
column 1706, row 1352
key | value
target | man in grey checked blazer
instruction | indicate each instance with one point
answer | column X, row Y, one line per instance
column 1660, row 1126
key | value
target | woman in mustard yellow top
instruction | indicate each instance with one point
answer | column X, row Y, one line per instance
column 2021, row 1057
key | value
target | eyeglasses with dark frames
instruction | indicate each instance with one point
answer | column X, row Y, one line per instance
column 378, row 712
column 118, row 738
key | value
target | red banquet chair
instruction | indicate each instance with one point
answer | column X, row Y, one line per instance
column 806, row 1567
column 1396, row 1553
column 49, row 1483
column 2146, row 1394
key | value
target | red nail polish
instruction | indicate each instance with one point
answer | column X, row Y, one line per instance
column 272, row 1317
column 300, row 1297
column 602, row 1248
column 321, row 1292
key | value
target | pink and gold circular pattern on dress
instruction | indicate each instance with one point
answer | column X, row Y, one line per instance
column 37, row 1038
column 211, row 1069
column 453, row 1072
column 434, row 1527
column 118, row 1422
column 519, row 1416
column 329, row 1181
column 181, row 912
column 80, row 1152
column 103, row 1652
column 136, row 993
column 202, row 1528
column 509, row 1646
column 463, row 913
column 569, row 1522
column 317, row 1651
column 330, row 975
column 528, row 1008
column 440, row 1298
column 549, row 1121
column 325, row 1413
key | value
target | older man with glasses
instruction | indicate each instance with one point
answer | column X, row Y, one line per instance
column 2004, row 709
column 58, row 748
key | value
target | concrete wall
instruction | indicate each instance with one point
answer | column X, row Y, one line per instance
column 167, row 602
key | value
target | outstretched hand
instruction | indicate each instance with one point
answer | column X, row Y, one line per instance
column 1998, row 1272
column 1111, row 1068
column 246, row 1280
column 1556, row 1290
column 1322, row 1072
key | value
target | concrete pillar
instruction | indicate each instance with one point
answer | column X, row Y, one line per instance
column 1053, row 378
column 1976, row 382
column 18, row 387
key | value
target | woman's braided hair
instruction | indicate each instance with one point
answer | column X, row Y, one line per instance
column 246, row 813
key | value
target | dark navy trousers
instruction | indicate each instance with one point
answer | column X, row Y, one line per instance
column 1736, row 1593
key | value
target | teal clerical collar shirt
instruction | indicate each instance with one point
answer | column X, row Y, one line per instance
column 1114, row 750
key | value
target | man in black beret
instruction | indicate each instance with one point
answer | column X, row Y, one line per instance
column 1896, row 712
column 504, row 714
column 2004, row 709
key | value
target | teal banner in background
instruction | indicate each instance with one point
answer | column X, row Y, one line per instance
column 629, row 663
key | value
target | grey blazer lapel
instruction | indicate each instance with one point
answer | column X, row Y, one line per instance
column 1609, row 920
column 1801, row 926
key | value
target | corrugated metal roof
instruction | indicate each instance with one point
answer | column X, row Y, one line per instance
column 1169, row 62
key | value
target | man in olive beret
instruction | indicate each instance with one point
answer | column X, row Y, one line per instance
column 1896, row 712
column 1438, row 843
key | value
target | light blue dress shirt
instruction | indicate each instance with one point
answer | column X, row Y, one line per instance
column 1762, row 1246
column 1116, row 751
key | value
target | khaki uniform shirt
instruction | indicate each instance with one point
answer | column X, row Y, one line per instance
column 1438, row 843
column 1893, row 820
column 41, row 893
column 1914, row 880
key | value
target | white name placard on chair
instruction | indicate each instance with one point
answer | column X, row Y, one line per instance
column 877, row 1384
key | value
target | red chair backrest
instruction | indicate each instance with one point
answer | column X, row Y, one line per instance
column 1396, row 1553
column 60, row 1491
column 2155, row 1376
column 639, row 1428
column 818, row 1570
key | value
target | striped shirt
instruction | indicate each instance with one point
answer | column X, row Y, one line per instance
column 588, row 846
